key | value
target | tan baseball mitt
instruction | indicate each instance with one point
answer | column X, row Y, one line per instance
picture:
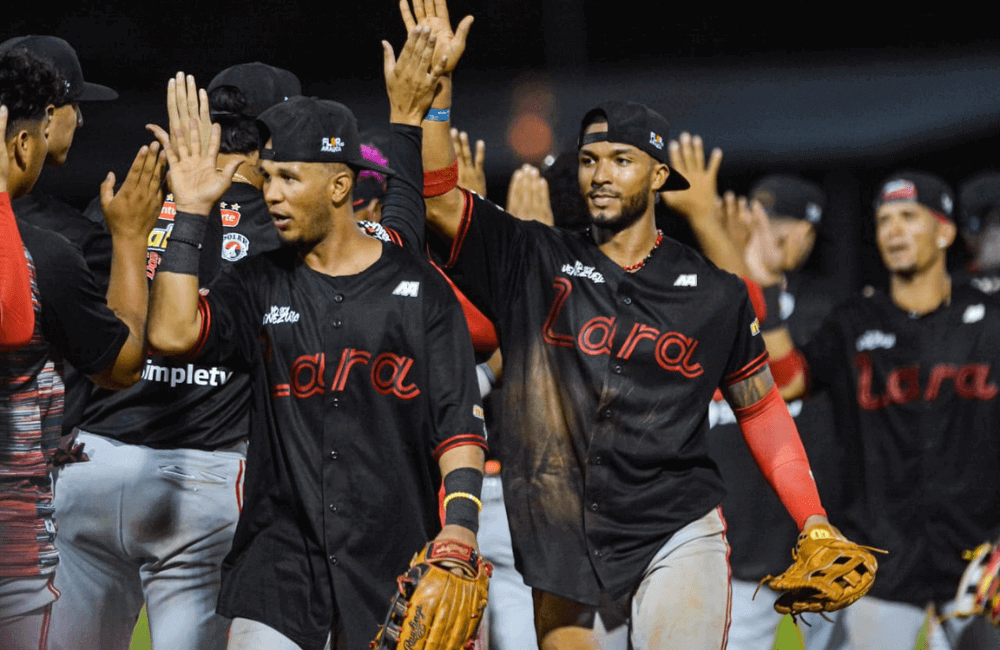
column 435, row 608
column 829, row 573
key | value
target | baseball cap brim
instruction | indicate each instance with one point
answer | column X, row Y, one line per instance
column 95, row 93
column 675, row 182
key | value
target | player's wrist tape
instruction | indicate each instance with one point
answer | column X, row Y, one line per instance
column 188, row 231
column 438, row 115
column 463, row 487
column 487, row 380
column 772, row 303
column 441, row 181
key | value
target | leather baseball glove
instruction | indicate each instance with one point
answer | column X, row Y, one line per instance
column 979, row 590
column 437, row 609
column 829, row 573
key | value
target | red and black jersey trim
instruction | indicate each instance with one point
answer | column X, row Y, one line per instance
column 463, row 229
column 749, row 370
column 394, row 237
column 459, row 441
column 206, row 324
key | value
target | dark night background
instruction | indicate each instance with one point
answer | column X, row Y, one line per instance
column 841, row 95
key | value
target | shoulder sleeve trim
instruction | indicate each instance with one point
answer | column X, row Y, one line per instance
column 459, row 441
column 463, row 228
column 748, row 370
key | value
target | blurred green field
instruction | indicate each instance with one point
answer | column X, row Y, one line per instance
column 787, row 637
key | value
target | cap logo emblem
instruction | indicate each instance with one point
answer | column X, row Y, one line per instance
column 946, row 203
column 331, row 145
column 655, row 140
column 900, row 190
column 813, row 212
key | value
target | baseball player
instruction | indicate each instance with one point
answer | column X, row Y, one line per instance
column 979, row 225
column 910, row 373
column 175, row 443
column 103, row 339
column 365, row 393
column 86, row 230
column 614, row 342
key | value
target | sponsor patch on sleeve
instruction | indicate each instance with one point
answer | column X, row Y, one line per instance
column 477, row 411
column 755, row 327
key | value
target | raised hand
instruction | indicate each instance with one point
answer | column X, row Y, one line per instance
column 193, row 178
column 700, row 202
column 764, row 256
column 471, row 169
column 411, row 80
column 528, row 196
column 136, row 205
column 434, row 14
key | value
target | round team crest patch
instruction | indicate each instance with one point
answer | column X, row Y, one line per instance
column 234, row 246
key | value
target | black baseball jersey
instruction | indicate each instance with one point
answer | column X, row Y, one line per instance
column 72, row 323
column 751, row 507
column 916, row 400
column 361, row 383
column 607, row 380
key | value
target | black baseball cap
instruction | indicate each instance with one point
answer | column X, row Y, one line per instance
column 926, row 189
column 307, row 129
column 977, row 197
column 785, row 195
column 61, row 56
column 638, row 125
column 262, row 86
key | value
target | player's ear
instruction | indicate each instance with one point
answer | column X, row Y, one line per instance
column 946, row 232
column 659, row 176
column 340, row 184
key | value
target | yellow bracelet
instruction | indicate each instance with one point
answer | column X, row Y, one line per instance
column 463, row 495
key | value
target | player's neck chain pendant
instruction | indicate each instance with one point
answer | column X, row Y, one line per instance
column 632, row 268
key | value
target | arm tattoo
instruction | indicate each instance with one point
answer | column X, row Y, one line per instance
column 749, row 391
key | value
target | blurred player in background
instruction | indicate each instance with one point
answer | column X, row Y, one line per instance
column 978, row 218
column 911, row 376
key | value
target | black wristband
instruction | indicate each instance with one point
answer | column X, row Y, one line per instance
column 463, row 482
column 772, row 302
column 183, row 252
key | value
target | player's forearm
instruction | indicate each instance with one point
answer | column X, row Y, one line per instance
column 17, row 314
column 128, row 297
column 174, row 318
column 444, row 211
column 773, row 439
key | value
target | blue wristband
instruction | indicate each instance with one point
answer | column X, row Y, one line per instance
column 438, row 115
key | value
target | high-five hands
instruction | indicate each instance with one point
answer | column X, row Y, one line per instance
column 434, row 14
column 412, row 79
column 192, row 148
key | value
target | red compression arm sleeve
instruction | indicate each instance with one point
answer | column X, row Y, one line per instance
column 774, row 442
column 17, row 313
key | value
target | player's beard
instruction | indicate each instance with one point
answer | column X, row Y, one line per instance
column 633, row 208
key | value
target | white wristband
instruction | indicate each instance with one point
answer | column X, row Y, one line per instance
column 487, row 380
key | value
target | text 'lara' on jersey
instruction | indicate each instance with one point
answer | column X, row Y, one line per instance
column 73, row 323
column 607, row 380
column 916, row 400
